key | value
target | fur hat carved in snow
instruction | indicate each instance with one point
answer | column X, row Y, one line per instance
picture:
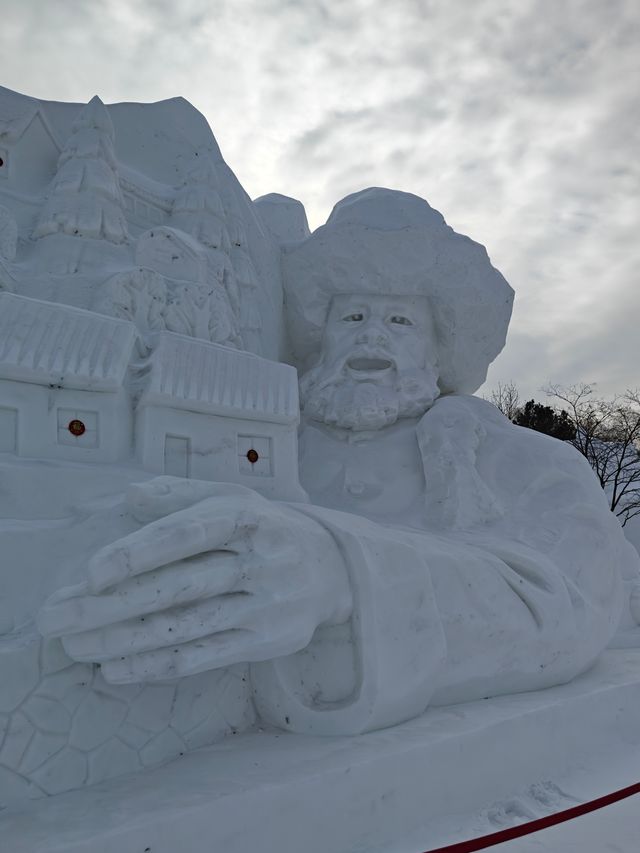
column 381, row 241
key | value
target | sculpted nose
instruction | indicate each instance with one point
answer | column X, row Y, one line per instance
column 372, row 336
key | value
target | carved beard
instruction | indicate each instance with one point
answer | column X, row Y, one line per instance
column 329, row 394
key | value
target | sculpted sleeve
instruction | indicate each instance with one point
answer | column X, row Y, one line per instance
column 379, row 668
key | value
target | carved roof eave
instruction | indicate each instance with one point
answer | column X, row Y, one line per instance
column 190, row 374
column 60, row 346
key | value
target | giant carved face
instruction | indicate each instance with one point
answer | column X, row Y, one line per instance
column 378, row 362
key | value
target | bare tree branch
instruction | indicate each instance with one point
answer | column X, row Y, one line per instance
column 507, row 399
column 608, row 436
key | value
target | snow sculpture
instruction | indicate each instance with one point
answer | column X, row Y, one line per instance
column 426, row 552
column 445, row 554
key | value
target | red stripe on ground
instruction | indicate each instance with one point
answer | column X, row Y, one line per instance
column 511, row 832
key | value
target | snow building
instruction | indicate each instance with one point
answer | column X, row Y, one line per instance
column 211, row 412
column 62, row 381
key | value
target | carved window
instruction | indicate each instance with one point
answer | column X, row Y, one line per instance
column 78, row 428
column 255, row 455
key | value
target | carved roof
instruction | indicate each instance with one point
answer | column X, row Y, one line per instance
column 58, row 345
column 16, row 114
column 195, row 375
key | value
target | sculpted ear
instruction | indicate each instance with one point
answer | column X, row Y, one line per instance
column 165, row 495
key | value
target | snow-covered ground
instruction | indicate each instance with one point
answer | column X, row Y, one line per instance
column 615, row 828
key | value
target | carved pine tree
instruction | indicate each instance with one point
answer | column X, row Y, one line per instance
column 198, row 210
column 85, row 199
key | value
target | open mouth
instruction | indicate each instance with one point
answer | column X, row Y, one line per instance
column 366, row 365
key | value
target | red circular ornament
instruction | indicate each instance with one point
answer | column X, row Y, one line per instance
column 253, row 456
column 76, row 427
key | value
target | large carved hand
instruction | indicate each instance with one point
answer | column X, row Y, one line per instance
column 232, row 578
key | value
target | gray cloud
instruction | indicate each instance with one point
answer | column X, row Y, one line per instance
column 519, row 121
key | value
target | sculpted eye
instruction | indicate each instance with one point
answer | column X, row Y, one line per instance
column 400, row 320
column 353, row 318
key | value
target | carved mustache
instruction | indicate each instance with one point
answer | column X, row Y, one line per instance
column 361, row 361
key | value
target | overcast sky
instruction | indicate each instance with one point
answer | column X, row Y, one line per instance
column 518, row 120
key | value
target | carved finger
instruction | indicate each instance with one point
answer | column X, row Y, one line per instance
column 172, row 627
column 208, row 526
column 196, row 578
column 220, row 650
column 165, row 495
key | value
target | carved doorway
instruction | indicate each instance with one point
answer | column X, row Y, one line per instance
column 177, row 450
